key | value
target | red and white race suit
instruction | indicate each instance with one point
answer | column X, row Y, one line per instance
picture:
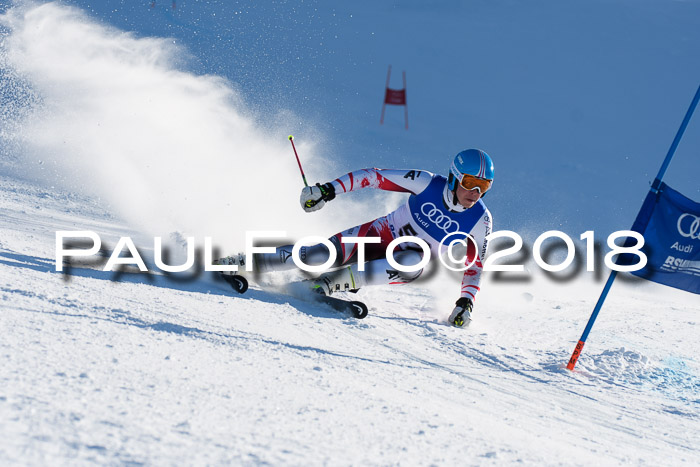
column 424, row 215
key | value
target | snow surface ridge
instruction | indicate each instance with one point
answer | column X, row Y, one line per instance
column 151, row 370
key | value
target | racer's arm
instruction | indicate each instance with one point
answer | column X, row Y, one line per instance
column 402, row 181
column 314, row 198
column 461, row 315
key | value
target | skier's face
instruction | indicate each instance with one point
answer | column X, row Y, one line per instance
column 467, row 198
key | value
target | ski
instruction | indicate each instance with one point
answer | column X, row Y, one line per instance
column 237, row 283
column 358, row 309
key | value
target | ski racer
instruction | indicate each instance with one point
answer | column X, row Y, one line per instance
column 437, row 207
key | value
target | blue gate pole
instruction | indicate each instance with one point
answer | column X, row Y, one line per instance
column 676, row 140
column 655, row 188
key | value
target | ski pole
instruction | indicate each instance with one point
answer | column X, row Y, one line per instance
column 291, row 140
column 309, row 203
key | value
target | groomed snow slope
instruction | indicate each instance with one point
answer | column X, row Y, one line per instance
column 118, row 132
column 151, row 371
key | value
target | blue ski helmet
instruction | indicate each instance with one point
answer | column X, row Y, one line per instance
column 473, row 162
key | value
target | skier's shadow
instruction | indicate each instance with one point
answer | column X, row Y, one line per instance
column 204, row 282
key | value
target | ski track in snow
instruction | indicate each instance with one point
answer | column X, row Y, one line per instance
column 150, row 370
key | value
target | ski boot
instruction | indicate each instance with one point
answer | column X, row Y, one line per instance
column 342, row 280
column 233, row 260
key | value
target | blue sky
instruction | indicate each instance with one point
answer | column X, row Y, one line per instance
column 577, row 102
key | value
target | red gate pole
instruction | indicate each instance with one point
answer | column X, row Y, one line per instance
column 388, row 75
column 405, row 104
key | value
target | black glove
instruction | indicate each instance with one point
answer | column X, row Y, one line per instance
column 462, row 314
column 327, row 191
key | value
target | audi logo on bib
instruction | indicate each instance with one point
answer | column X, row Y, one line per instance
column 689, row 226
column 438, row 218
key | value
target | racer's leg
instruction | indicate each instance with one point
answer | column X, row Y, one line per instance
column 376, row 272
column 281, row 259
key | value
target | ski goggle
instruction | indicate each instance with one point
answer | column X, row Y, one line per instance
column 470, row 182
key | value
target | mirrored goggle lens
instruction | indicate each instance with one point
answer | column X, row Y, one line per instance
column 470, row 182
